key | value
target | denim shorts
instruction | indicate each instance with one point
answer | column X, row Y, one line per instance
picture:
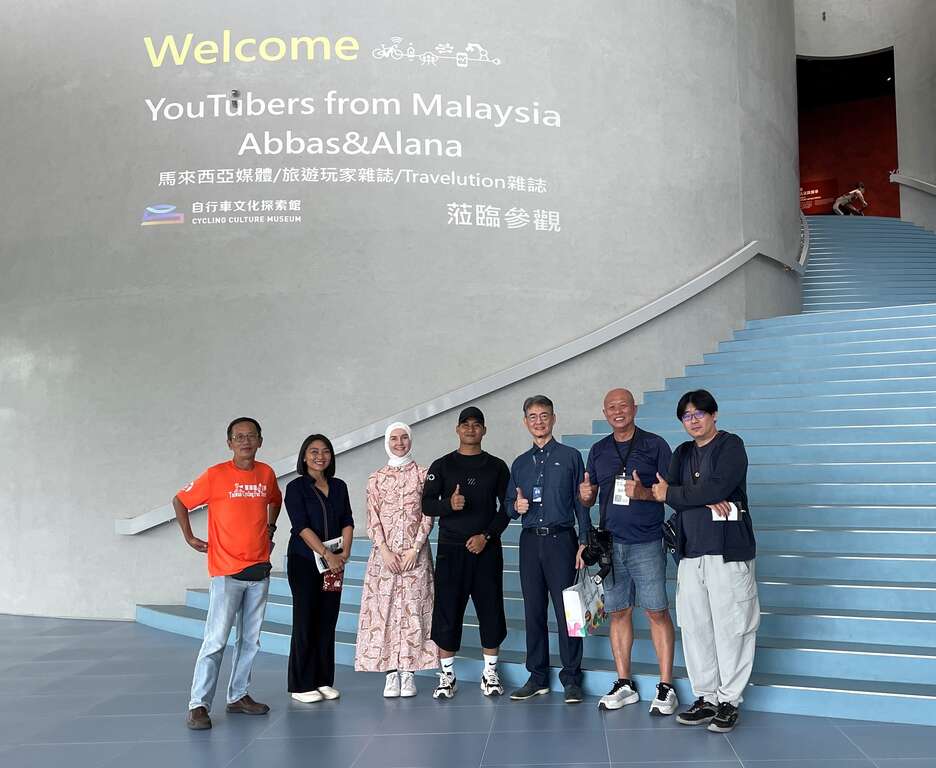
column 639, row 577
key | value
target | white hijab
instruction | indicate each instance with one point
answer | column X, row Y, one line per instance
column 394, row 460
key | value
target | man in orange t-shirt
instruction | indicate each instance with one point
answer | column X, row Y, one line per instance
column 243, row 501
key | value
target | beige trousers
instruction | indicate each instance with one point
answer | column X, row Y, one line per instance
column 718, row 612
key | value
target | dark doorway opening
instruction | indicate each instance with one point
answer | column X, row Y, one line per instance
column 847, row 131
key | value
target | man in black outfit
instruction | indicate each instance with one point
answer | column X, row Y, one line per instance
column 465, row 490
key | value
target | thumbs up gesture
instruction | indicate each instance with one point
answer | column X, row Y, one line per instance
column 633, row 486
column 457, row 501
column 522, row 505
column 587, row 491
column 659, row 489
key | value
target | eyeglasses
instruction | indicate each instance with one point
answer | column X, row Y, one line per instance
column 245, row 438
column 694, row 416
column 535, row 417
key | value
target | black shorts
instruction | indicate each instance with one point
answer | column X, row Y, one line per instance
column 459, row 575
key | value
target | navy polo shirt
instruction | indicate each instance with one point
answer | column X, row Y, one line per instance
column 638, row 522
column 559, row 469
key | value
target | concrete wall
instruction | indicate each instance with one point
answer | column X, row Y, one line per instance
column 852, row 28
column 124, row 351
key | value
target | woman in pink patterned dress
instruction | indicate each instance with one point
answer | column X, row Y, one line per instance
column 396, row 605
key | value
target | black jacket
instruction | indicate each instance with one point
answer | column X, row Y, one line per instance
column 726, row 482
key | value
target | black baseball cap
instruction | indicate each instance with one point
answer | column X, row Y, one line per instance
column 471, row 413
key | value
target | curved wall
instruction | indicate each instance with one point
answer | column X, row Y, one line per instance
column 125, row 349
column 908, row 26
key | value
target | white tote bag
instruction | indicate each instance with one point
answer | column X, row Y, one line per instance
column 584, row 606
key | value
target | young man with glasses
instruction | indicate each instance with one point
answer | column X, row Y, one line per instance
column 716, row 594
column 243, row 501
column 620, row 470
column 543, row 493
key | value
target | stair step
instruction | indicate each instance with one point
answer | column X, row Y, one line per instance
column 904, row 702
column 830, row 322
column 767, row 419
column 665, row 408
column 821, row 632
column 777, row 352
column 851, row 315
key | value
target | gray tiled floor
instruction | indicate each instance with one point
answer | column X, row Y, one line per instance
column 87, row 694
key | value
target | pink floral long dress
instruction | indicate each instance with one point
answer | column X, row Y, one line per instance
column 396, row 609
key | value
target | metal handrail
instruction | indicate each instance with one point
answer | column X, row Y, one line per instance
column 485, row 386
column 804, row 243
column 897, row 177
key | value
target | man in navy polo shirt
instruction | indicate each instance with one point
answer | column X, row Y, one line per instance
column 542, row 492
column 623, row 466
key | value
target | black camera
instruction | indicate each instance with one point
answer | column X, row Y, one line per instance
column 598, row 551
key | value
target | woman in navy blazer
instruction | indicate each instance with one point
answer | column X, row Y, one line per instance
column 319, row 510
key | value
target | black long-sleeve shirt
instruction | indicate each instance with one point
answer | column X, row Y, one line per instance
column 483, row 482
column 307, row 508
column 717, row 472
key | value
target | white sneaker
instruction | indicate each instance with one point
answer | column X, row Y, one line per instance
column 665, row 702
column 622, row 693
column 490, row 683
column 446, row 687
column 391, row 688
column 407, row 685
column 328, row 692
column 309, row 697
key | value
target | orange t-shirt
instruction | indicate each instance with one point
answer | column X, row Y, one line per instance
column 237, row 502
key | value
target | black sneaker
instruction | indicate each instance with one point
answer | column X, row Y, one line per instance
column 700, row 713
column 528, row 691
column 726, row 718
column 574, row 694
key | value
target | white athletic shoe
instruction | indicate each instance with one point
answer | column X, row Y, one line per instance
column 391, row 688
column 490, row 683
column 407, row 685
column 665, row 702
column 446, row 687
column 622, row 693
column 328, row 692
column 309, row 697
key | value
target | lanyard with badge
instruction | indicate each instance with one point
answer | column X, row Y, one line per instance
column 620, row 479
column 537, row 497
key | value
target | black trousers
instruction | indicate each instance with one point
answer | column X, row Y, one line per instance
column 547, row 566
column 459, row 574
column 314, row 617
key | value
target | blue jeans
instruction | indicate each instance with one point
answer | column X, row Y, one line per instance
column 639, row 577
column 229, row 600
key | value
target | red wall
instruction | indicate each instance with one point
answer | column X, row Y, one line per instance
column 849, row 142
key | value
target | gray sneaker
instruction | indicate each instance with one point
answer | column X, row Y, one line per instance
column 528, row 690
column 622, row 693
column 665, row 701
column 573, row 694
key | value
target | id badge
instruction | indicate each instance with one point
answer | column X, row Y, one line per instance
column 537, row 497
column 620, row 495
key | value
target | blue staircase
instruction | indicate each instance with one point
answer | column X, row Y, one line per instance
column 837, row 409
column 868, row 261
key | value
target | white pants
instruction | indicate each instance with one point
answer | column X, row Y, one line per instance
column 718, row 612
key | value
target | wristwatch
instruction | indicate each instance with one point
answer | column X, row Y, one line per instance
column 487, row 535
